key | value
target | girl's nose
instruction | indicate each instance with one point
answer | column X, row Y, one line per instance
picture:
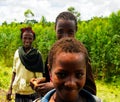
column 70, row 82
column 65, row 35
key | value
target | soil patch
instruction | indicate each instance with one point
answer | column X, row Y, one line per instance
column 3, row 96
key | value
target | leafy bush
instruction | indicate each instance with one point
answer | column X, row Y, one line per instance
column 100, row 36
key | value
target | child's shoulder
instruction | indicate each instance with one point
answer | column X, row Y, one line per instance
column 90, row 97
column 96, row 98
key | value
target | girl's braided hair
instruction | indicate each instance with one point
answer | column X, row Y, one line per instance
column 68, row 45
column 29, row 29
column 66, row 16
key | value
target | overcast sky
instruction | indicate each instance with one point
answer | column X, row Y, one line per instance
column 14, row 9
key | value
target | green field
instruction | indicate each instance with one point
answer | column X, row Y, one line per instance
column 108, row 92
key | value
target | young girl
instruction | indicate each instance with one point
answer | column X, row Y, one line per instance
column 66, row 26
column 27, row 64
column 67, row 62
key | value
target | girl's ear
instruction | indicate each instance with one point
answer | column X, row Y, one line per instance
column 49, row 69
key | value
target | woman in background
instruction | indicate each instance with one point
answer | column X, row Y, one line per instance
column 27, row 64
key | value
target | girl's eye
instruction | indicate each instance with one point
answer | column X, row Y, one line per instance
column 71, row 32
column 79, row 75
column 61, row 75
column 60, row 32
column 24, row 38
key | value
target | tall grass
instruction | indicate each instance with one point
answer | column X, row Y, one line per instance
column 108, row 92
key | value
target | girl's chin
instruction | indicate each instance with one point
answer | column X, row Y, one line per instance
column 70, row 95
column 70, row 98
column 27, row 46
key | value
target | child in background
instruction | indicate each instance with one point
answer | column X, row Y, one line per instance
column 27, row 64
column 66, row 26
column 67, row 62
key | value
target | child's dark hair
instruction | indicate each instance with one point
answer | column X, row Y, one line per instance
column 29, row 29
column 66, row 16
column 68, row 45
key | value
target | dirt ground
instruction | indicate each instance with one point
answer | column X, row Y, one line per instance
column 3, row 96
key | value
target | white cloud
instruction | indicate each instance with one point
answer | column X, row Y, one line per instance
column 14, row 9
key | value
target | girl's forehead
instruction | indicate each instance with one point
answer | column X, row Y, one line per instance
column 70, row 57
column 65, row 21
column 69, row 54
column 28, row 33
column 66, row 24
column 69, row 60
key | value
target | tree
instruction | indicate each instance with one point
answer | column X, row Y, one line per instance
column 73, row 11
column 28, row 13
column 43, row 21
column 4, row 23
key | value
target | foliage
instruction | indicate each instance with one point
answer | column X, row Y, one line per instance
column 100, row 36
column 28, row 13
column 103, row 44
column 5, row 78
column 108, row 92
column 76, row 13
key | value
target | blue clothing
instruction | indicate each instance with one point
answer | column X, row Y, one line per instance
column 88, row 95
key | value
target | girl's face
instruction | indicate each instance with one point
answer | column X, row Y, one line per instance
column 27, row 39
column 65, row 28
column 68, row 75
